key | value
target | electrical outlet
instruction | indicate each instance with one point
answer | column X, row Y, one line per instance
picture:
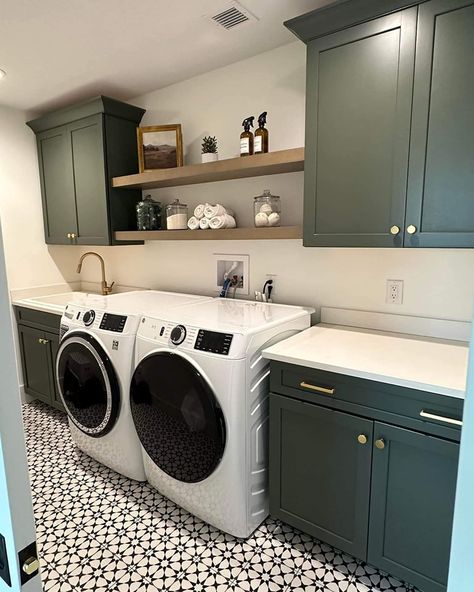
column 394, row 292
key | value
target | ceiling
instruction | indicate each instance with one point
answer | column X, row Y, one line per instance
column 59, row 51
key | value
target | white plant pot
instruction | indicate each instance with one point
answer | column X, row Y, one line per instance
column 210, row 157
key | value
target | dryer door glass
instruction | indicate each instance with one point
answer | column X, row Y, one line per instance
column 87, row 384
column 177, row 417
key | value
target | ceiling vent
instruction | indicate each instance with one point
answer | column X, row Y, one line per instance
column 232, row 16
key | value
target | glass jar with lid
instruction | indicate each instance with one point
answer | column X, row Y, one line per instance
column 149, row 214
column 176, row 216
column 267, row 209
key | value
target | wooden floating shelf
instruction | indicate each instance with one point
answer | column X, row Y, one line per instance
column 281, row 232
column 272, row 163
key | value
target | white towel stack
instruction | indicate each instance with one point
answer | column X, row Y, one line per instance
column 211, row 216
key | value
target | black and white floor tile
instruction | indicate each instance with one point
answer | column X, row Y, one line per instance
column 99, row 531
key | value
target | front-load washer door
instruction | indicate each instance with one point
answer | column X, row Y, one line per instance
column 177, row 417
column 87, row 384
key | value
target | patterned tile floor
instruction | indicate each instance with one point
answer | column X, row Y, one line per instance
column 99, row 531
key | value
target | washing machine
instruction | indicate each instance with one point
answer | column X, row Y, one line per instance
column 199, row 402
column 94, row 364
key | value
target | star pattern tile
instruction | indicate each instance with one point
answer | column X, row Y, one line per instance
column 99, row 531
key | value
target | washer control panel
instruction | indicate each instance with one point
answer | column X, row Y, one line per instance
column 214, row 342
column 112, row 322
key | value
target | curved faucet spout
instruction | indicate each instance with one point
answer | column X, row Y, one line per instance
column 106, row 289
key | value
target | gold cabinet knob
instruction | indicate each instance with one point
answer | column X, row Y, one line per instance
column 411, row 229
column 69, row 235
column 380, row 443
column 73, row 235
column 30, row 566
column 362, row 439
column 394, row 230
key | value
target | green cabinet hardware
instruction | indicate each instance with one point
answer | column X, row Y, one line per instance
column 412, row 505
column 389, row 124
column 370, row 470
column 39, row 342
column 80, row 150
column 321, row 446
column 440, row 204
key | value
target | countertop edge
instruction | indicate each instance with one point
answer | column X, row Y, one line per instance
column 432, row 388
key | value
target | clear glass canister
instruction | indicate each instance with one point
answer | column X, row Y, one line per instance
column 149, row 214
column 267, row 209
column 176, row 216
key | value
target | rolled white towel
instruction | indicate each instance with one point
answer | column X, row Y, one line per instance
column 203, row 223
column 199, row 211
column 224, row 221
column 193, row 223
column 211, row 211
column 274, row 219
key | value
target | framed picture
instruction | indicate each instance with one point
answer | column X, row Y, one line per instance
column 159, row 147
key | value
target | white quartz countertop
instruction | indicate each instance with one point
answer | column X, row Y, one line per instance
column 56, row 303
column 428, row 364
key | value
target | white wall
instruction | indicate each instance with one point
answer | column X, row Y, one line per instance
column 438, row 282
column 29, row 261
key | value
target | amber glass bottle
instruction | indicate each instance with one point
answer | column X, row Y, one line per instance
column 246, row 138
column 261, row 135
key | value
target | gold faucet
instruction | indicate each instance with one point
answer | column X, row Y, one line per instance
column 106, row 289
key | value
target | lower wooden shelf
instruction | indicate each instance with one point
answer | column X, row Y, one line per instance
column 281, row 232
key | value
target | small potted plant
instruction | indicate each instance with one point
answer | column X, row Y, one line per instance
column 209, row 149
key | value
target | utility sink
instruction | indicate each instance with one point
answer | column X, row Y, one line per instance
column 56, row 303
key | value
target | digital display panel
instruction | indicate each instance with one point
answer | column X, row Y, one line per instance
column 111, row 322
column 213, row 342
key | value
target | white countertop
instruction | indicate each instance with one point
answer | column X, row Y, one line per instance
column 56, row 303
column 423, row 363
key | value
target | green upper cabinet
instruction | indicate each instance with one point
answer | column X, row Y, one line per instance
column 80, row 149
column 359, row 90
column 412, row 506
column 440, row 201
column 389, row 124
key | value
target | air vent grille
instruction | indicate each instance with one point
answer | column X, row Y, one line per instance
column 230, row 18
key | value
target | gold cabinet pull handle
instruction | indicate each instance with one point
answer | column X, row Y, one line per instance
column 411, row 229
column 380, row 443
column 362, row 439
column 318, row 389
column 394, row 230
column 30, row 566
column 43, row 341
column 450, row 420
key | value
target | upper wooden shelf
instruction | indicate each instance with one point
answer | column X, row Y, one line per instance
column 272, row 163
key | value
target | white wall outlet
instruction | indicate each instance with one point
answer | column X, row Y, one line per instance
column 394, row 293
column 234, row 265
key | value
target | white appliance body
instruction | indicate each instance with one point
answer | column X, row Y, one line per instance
column 230, row 490
column 94, row 365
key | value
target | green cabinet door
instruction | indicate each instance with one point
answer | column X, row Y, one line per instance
column 359, row 93
column 320, row 472
column 90, row 183
column 412, row 505
column 36, row 362
column 440, row 206
column 57, row 185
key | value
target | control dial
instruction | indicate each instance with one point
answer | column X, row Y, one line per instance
column 178, row 334
column 88, row 318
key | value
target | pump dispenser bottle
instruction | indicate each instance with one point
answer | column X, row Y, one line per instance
column 261, row 135
column 246, row 137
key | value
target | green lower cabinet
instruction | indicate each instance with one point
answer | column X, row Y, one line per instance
column 38, row 350
column 320, row 472
column 35, row 355
column 412, row 504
